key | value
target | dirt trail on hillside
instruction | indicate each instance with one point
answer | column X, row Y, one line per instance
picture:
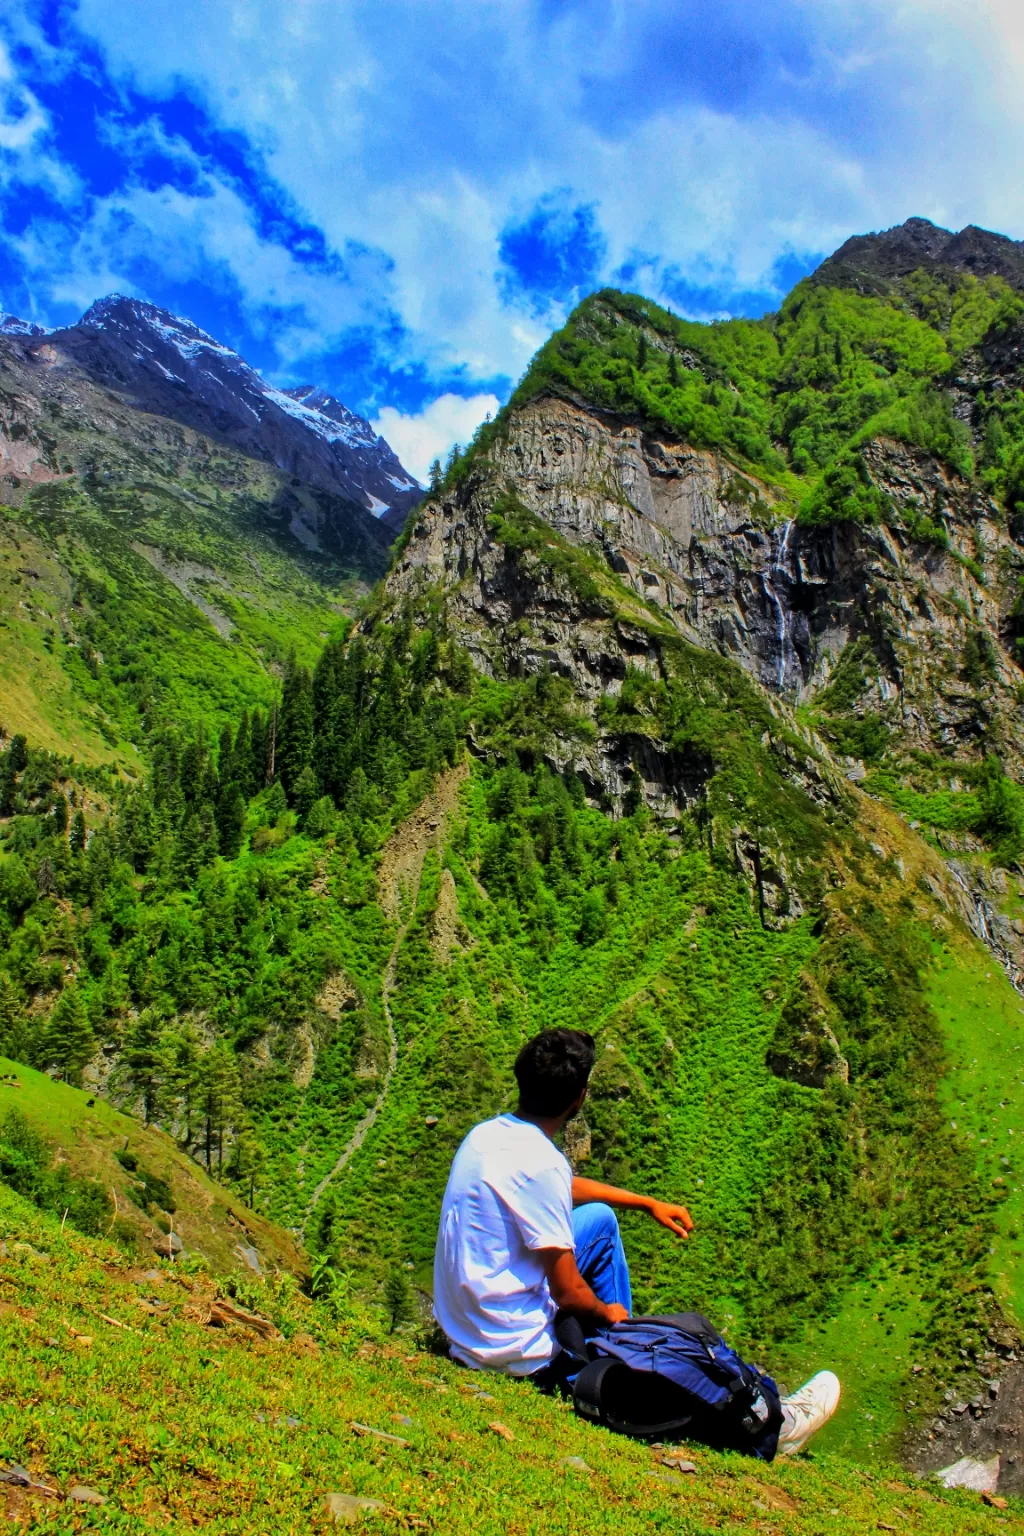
column 398, row 884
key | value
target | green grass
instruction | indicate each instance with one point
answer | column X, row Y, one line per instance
column 154, row 603
column 181, row 1426
column 86, row 1132
column 983, row 1093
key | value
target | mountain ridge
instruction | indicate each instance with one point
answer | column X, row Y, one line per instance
column 868, row 262
column 168, row 366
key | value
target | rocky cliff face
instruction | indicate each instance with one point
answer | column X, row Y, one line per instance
column 906, row 620
column 709, row 548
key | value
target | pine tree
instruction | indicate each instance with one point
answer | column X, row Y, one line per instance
column 230, row 821
column 77, row 835
column 17, row 754
column 144, row 1063
column 258, row 751
column 436, row 475
column 305, row 791
column 220, row 1098
column 295, row 728
column 226, row 756
column 241, row 756
column 197, row 842
column 641, row 352
column 12, row 1019
column 673, row 371
column 248, row 1162
column 69, row 1043
column 398, row 1298
column 181, row 1052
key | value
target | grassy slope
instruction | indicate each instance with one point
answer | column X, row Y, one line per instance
column 39, row 696
column 983, row 1018
column 179, row 1426
column 683, row 993
column 86, row 1133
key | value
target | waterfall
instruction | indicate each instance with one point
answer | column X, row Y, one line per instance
column 780, row 567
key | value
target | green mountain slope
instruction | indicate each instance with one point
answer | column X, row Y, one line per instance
column 150, row 574
column 109, row 1172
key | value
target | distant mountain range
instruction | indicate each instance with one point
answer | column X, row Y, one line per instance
column 163, row 364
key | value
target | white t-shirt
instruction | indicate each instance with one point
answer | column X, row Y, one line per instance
column 509, row 1193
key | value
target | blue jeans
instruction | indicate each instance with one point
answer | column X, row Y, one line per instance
column 600, row 1257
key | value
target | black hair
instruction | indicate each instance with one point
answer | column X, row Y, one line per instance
column 552, row 1070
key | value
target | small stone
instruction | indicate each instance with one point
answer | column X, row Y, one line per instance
column 16, row 1475
column 291, row 1421
column 670, row 1479
column 377, row 1434
column 249, row 1256
column 167, row 1244
column 576, row 1463
column 83, row 1495
column 994, row 1501
column 484, row 1397
column 347, row 1508
column 404, row 1420
column 980, row 1476
column 501, row 1429
column 679, row 1464
column 431, row 1121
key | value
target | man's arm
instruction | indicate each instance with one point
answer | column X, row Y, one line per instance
column 676, row 1217
column 572, row 1293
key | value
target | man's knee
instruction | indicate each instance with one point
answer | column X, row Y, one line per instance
column 595, row 1221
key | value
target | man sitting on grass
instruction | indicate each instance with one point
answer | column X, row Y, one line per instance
column 521, row 1239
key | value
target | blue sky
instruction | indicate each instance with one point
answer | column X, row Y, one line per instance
column 400, row 200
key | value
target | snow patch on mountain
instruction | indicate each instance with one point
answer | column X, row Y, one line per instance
column 10, row 325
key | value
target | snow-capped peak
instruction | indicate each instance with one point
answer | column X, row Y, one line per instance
column 179, row 370
column 118, row 312
column 10, row 325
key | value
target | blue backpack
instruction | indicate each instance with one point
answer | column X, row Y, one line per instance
column 658, row 1378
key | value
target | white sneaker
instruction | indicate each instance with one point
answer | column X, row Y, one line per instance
column 805, row 1412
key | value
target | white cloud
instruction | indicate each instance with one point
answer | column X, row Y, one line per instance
column 405, row 132
column 420, row 439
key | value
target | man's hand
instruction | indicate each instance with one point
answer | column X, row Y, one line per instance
column 676, row 1217
column 616, row 1314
